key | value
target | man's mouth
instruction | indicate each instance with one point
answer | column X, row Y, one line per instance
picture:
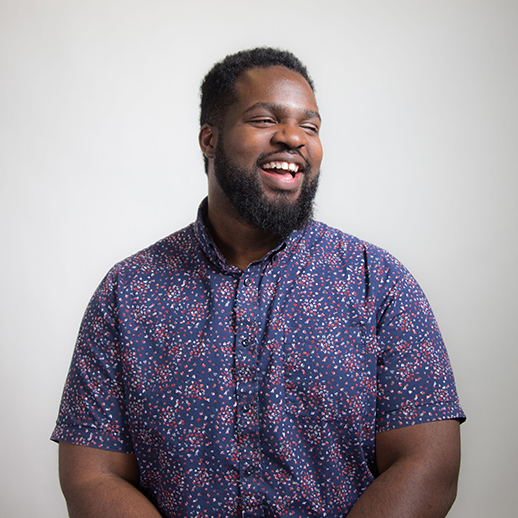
column 281, row 167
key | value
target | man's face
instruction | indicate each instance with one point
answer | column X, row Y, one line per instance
column 268, row 153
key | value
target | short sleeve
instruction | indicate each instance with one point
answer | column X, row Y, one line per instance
column 92, row 411
column 415, row 382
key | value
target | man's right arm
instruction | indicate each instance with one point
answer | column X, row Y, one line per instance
column 101, row 484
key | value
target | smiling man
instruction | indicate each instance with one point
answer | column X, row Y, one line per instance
column 259, row 363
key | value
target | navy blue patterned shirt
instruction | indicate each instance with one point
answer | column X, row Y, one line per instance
column 257, row 392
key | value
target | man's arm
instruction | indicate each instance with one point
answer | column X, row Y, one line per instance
column 101, row 484
column 419, row 467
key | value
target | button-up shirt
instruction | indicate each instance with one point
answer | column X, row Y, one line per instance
column 256, row 392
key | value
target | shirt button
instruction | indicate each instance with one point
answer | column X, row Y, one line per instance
column 248, row 470
column 245, row 343
column 247, row 407
column 247, row 282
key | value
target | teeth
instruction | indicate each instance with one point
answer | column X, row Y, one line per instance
column 286, row 166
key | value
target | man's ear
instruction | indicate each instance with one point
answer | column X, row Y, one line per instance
column 208, row 139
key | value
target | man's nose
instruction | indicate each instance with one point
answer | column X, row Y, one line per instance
column 291, row 135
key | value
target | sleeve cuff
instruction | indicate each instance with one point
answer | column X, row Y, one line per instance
column 91, row 437
column 409, row 414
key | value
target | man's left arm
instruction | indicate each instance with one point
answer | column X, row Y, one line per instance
column 418, row 469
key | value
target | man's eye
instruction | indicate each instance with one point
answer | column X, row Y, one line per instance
column 310, row 127
column 264, row 120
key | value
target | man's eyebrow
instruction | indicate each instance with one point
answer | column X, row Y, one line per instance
column 274, row 107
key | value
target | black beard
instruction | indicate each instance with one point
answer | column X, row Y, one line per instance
column 278, row 215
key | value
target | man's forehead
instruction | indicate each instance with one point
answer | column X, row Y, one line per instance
column 274, row 83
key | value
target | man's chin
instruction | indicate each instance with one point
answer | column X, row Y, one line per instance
column 279, row 214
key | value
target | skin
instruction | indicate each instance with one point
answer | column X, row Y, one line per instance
column 418, row 465
column 419, row 468
column 101, row 484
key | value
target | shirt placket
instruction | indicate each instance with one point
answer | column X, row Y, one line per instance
column 247, row 429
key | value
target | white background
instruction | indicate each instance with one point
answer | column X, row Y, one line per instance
column 99, row 158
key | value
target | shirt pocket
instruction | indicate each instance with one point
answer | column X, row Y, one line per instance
column 328, row 374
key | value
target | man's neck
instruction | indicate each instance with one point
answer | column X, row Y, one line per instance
column 239, row 242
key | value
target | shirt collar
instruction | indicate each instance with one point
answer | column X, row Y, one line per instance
column 283, row 249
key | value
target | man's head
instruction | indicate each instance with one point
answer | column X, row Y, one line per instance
column 261, row 144
column 218, row 90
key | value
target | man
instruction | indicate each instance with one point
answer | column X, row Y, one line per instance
column 259, row 363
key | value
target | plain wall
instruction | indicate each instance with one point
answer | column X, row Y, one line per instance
column 99, row 158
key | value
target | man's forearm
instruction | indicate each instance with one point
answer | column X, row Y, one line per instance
column 419, row 468
column 108, row 496
column 100, row 483
column 406, row 490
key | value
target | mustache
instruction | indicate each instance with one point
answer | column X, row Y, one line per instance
column 290, row 151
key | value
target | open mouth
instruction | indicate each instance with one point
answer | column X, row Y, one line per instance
column 281, row 167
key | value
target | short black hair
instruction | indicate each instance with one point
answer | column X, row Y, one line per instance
column 218, row 91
